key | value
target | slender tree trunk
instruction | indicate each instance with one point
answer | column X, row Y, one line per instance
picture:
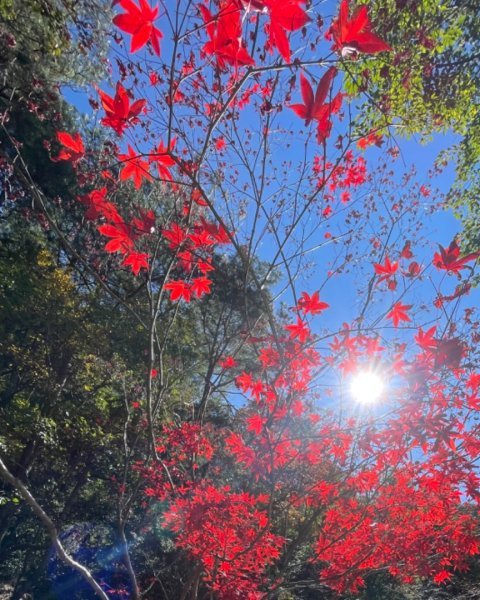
column 51, row 529
column 126, row 560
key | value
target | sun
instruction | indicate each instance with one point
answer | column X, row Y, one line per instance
column 366, row 387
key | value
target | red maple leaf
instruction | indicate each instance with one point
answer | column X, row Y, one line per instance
column 201, row 238
column 298, row 329
column 442, row 576
column 398, row 313
column 255, row 423
column 176, row 235
column 354, row 35
column 135, row 168
column 200, row 286
column 73, row 149
column 121, row 238
column 313, row 107
column 285, row 15
column 218, row 232
column 138, row 20
column 473, row 381
column 145, row 224
column 386, row 270
column 225, row 31
column 425, row 339
column 163, row 159
column 178, row 290
column 136, row 261
column 244, row 381
column 204, row 266
column 119, row 113
column 228, row 362
column 196, row 196
column 311, row 304
column 449, row 259
column 98, row 206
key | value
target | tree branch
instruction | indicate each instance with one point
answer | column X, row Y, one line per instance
column 51, row 529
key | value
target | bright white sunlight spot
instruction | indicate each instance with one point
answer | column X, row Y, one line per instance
column 366, row 387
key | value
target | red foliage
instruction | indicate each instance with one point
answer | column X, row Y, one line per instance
column 386, row 270
column 314, row 107
column 73, row 149
column 225, row 31
column 119, row 113
column 134, row 168
column 449, row 259
column 285, row 15
column 311, row 304
column 138, row 21
column 398, row 313
column 354, row 34
column 228, row 534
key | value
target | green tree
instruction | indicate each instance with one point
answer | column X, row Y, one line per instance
column 429, row 85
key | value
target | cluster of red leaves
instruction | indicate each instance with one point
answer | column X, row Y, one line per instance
column 389, row 513
column 350, row 173
column 285, row 16
column 311, row 304
column 183, row 449
column 348, row 350
column 123, row 236
column 228, row 535
column 224, row 29
column 226, row 532
column 370, row 139
column 386, row 271
column 379, row 509
column 227, row 363
column 193, row 246
column 399, row 531
column 389, row 269
column 399, row 313
column 440, row 352
column 137, row 168
column 225, row 32
column 279, row 399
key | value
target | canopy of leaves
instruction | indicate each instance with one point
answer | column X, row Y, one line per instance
column 429, row 85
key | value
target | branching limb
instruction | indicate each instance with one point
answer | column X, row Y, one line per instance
column 51, row 529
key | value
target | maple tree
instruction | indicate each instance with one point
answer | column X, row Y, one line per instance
column 236, row 452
